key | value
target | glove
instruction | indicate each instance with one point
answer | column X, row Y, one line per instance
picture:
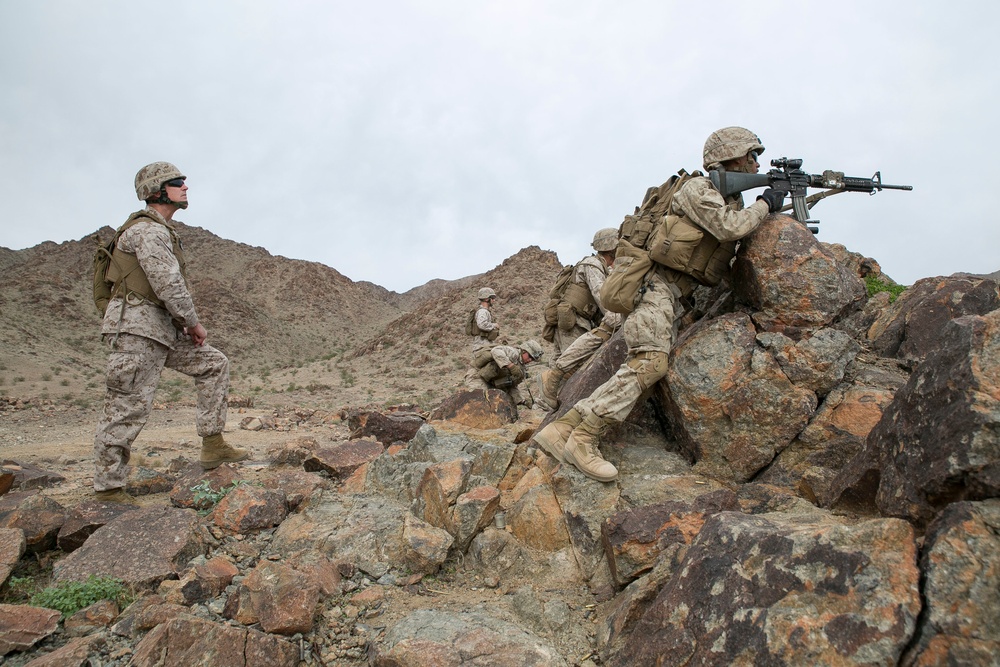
column 775, row 199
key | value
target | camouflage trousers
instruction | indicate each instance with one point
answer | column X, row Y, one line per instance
column 134, row 367
column 564, row 339
column 650, row 331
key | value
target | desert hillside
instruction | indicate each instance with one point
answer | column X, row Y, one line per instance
column 289, row 326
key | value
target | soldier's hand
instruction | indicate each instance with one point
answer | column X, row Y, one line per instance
column 198, row 334
column 774, row 199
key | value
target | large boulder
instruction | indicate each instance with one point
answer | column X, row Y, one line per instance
column 791, row 280
column 912, row 326
column 731, row 406
column 939, row 440
column 789, row 590
column 961, row 568
column 161, row 541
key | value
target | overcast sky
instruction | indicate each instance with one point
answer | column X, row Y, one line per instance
column 402, row 141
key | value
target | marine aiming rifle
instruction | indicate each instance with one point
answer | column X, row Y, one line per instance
column 788, row 177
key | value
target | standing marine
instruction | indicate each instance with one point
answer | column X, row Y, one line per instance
column 150, row 323
column 481, row 325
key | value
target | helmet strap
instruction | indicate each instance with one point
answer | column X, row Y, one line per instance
column 162, row 198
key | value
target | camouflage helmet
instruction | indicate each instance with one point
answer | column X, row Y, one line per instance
column 486, row 293
column 729, row 143
column 605, row 240
column 533, row 349
column 151, row 178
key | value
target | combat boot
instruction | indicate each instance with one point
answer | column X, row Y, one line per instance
column 215, row 451
column 552, row 438
column 117, row 495
column 581, row 450
column 550, row 382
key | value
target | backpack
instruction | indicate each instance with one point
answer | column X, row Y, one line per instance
column 640, row 232
column 102, row 260
column 556, row 293
column 622, row 289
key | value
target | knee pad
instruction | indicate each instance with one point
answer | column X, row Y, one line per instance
column 649, row 367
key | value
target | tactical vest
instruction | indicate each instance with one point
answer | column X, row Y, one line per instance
column 683, row 252
column 125, row 272
column 472, row 327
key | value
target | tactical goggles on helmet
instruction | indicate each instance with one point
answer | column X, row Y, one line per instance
column 174, row 183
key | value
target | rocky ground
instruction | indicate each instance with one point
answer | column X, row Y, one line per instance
column 58, row 439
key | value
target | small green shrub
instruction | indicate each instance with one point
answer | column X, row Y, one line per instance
column 20, row 590
column 71, row 596
column 875, row 286
column 205, row 497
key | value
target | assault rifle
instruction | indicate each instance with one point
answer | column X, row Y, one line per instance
column 788, row 177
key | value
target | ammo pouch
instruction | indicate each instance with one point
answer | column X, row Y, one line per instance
column 551, row 313
column 492, row 335
column 683, row 246
column 622, row 288
column 567, row 317
column 636, row 229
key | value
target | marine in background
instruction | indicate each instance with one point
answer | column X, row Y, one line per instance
column 503, row 367
column 481, row 324
column 574, row 306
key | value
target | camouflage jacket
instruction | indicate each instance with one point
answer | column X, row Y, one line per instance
column 150, row 243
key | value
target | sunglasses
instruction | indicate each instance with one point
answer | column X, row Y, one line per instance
column 753, row 154
column 175, row 182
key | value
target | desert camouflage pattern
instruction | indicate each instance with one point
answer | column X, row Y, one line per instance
column 133, row 373
column 486, row 323
column 584, row 347
column 150, row 243
column 702, row 204
column 651, row 329
column 150, row 178
column 729, row 143
column 503, row 355
column 591, row 272
column 605, row 240
column 533, row 348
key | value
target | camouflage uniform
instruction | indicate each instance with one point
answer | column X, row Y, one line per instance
column 591, row 272
column 486, row 324
column 143, row 339
column 503, row 356
column 584, row 347
column 651, row 328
